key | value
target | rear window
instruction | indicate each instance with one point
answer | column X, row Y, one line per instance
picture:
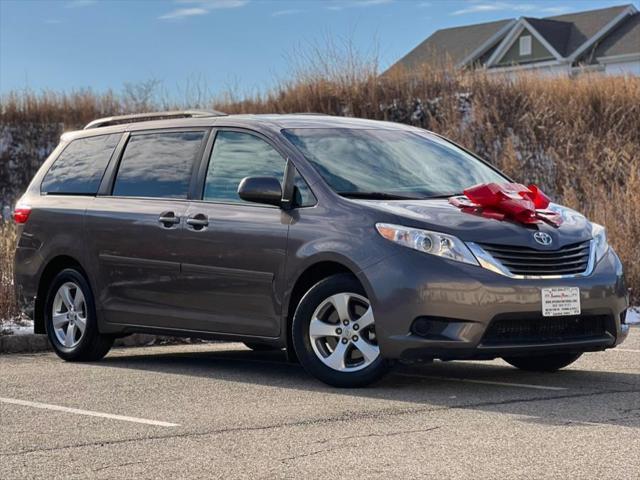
column 158, row 165
column 80, row 167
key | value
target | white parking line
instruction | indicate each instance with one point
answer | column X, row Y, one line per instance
column 484, row 382
column 89, row 413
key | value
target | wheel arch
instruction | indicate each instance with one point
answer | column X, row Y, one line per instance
column 52, row 268
column 311, row 275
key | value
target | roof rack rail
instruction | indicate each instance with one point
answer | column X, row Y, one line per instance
column 143, row 117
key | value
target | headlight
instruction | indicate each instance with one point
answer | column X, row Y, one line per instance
column 600, row 239
column 433, row 243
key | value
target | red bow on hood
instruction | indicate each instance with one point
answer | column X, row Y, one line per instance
column 508, row 201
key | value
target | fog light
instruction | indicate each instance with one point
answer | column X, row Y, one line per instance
column 439, row 328
column 432, row 328
column 421, row 327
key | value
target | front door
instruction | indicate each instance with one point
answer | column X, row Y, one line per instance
column 234, row 257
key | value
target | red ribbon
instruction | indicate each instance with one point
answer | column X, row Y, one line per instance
column 508, row 201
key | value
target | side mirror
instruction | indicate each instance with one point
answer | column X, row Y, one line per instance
column 265, row 190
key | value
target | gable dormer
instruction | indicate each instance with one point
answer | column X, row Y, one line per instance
column 526, row 44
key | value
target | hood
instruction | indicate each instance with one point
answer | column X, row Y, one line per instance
column 441, row 216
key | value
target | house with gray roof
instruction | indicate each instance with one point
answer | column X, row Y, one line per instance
column 605, row 40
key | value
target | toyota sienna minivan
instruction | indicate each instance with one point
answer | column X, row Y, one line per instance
column 333, row 238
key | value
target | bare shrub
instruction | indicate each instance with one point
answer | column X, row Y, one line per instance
column 141, row 96
column 8, row 304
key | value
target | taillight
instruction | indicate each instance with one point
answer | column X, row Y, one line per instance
column 21, row 214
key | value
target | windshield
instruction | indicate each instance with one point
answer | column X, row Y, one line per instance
column 389, row 164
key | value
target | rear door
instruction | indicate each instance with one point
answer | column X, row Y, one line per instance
column 134, row 229
column 235, row 250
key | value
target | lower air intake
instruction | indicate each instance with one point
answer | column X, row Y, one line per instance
column 509, row 331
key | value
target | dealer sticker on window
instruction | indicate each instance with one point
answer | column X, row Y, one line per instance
column 560, row 301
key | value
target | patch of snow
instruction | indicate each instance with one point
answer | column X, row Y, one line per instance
column 633, row 315
column 19, row 326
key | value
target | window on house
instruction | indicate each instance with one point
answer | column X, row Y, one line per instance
column 525, row 45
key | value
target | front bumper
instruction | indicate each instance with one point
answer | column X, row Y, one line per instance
column 466, row 299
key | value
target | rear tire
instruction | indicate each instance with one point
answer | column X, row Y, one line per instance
column 334, row 334
column 261, row 347
column 543, row 363
column 71, row 321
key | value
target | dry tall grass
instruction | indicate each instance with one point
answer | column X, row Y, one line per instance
column 8, row 306
column 579, row 139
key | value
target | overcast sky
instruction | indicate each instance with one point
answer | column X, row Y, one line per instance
column 240, row 44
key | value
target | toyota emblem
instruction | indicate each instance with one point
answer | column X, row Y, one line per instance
column 543, row 238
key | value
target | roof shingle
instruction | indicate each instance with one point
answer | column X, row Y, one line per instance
column 587, row 24
column 555, row 32
column 450, row 45
column 623, row 40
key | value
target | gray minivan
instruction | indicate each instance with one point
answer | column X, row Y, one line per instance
column 333, row 238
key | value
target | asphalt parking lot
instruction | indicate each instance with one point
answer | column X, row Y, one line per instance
column 222, row 411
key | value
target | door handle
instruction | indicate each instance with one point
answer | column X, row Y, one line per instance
column 168, row 219
column 198, row 221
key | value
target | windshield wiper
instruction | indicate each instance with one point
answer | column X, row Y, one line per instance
column 444, row 195
column 378, row 196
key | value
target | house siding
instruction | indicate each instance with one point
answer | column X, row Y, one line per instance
column 543, row 71
column 623, row 68
column 538, row 52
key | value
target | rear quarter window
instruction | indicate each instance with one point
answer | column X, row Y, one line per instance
column 79, row 169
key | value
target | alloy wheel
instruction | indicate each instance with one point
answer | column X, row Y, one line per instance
column 69, row 314
column 342, row 332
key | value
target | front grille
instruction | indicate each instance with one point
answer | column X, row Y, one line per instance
column 545, row 330
column 569, row 260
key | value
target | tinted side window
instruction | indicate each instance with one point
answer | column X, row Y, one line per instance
column 237, row 155
column 81, row 165
column 158, row 165
column 303, row 196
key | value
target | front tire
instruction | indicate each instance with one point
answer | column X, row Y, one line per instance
column 334, row 334
column 70, row 319
column 543, row 363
